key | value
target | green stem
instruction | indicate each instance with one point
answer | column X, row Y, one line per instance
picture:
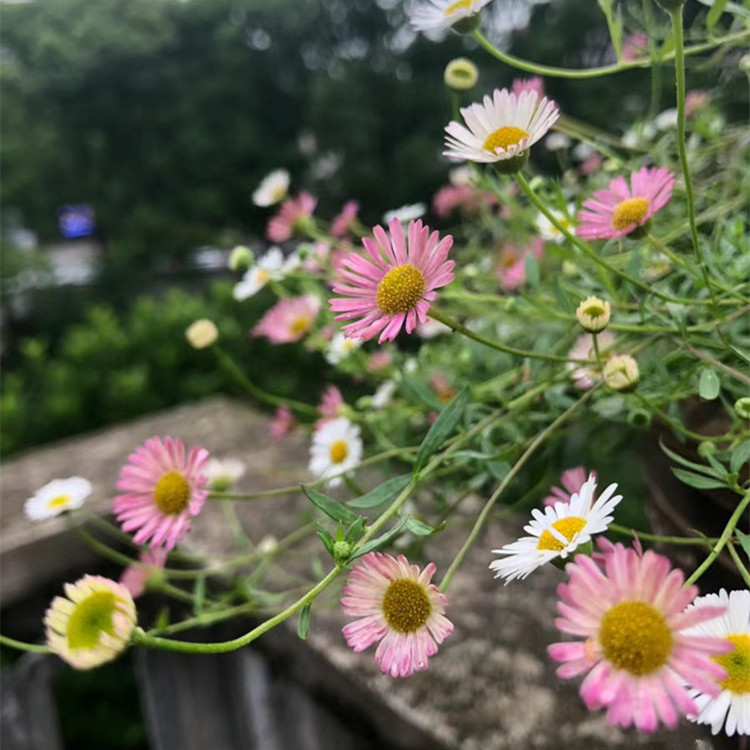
column 744, row 572
column 678, row 540
column 553, row 72
column 674, row 424
column 21, row 646
column 723, row 539
column 613, row 36
column 679, row 45
column 528, row 453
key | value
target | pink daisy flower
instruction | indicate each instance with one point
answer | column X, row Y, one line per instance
column 392, row 288
column 462, row 198
column 634, row 46
column 695, row 100
column 134, row 577
column 341, row 223
column 330, row 405
column 163, row 488
column 288, row 320
column 572, row 480
column 511, row 267
column 379, row 360
column 620, row 209
column 282, row 423
column 291, row 215
column 535, row 83
column 397, row 605
column 639, row 659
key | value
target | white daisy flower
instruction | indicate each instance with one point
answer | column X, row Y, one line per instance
column 731, row 708
column 270, row 267
column 223, row 473
column 431, row 329
column 405, row 214
column 463, row 176
column 336, row 448
column 382, row 396
column 501, row 127
column 556, row 141
column 557, row 531
column 56, row 497
column 340, row 347
column 548, row 231
column 435, row 15
column 272, row 189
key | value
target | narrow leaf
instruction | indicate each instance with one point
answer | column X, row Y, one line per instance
column 740, row 457
column 381, row 493
column 332, row 508
column 199, row 594
column 380, row 541
column 698, row 480
column 441, row 429
column 690, row 464
column 714, row 14
column 419, row 528
column 355, row 530
column 709, row 384
column 303, row 625
column 744, row 540
column 327, row 540
column 531, row 266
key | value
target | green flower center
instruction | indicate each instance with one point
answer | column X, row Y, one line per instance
column 568, row 527
column 504, row 137
column 406, row 606
column 172, row 493
column 400, row 289
column 629, row 212
column 636, row 638
column 91, row 618
column 737, row 664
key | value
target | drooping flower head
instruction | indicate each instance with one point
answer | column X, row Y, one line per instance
column 272, row 188
column 56, row 497
column 731, row 708
column 163, row 487
column 396, row 604
column 290, row 217
column 635, row 650
column 343, row 222
column 288, row 320
column 336, row 448
column 572, row 481
column 558, row 531
column 502, row 127
column 393, row 287
column 437, row 15
column 92, row 623
column 621, row 209
column 511, row 266
column 135, row 577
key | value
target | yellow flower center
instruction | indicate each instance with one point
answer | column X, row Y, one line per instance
column 300, row 325
column 504, row 137
column 338, row 451
column 262, row 275
column 568, row 527
column 737, row 664
column 172, row 493
column 630, row 212
column 635, row 637
column 58, row 502
column 277, row 193
column 406, row 606
column 90, row 618
column 457, row 6
column 400, row 289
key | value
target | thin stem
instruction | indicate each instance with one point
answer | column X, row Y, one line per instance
column 723, row 539
column 744, row 572
column 613, row 36
column 679, row 46
column 674, row 424
column 21, row 646
column 677, row 540
column 554, row 72
column 528, row 453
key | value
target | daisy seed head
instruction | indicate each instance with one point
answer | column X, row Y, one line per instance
column 593, row 314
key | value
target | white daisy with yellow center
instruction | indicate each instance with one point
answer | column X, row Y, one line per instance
column 336, row 449
column 272, row 189
column 731, row 708
column 557, row 531
column 92, row 623
column 223, row 473
column 439, row 15
column 549, row 232
column 270, row 267
column 56, row 497
column 504, row 126
column 340, row 347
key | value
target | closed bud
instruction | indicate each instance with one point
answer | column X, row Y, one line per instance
column 341, row 551
column 621, row 372
column 461, row 74
column 240, row 259
column 201, row 334
column 742, row 407
column 593, row 314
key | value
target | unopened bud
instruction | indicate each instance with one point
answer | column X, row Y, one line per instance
column 621, row 372
column 461, row 74
column 742, row 407
column 593, row 314
column 202, row 334
column 341, row 551
column 240, row 259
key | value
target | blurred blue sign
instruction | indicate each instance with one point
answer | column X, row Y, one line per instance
column 76, row 221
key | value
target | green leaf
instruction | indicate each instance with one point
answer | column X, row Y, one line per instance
column 714, row 14
column 421, row 391
column 441, row 429
column 740, row 456
column 531, row 267
column 355, row 530
column 418, row 528
column 690, row 464
column 199, row 594
column 381, row 493
column 744, row 540
column 709, row 384
column 332, row 508
column 303, row 624
column 327, row 540
column 380, row 541
column 698, row 480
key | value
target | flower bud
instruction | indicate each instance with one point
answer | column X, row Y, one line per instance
column 742, row 407
column 341, row 551
column 460, row 74
column 593, row 314
column 621, row 372
column 240, row 259
column 202, row 333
